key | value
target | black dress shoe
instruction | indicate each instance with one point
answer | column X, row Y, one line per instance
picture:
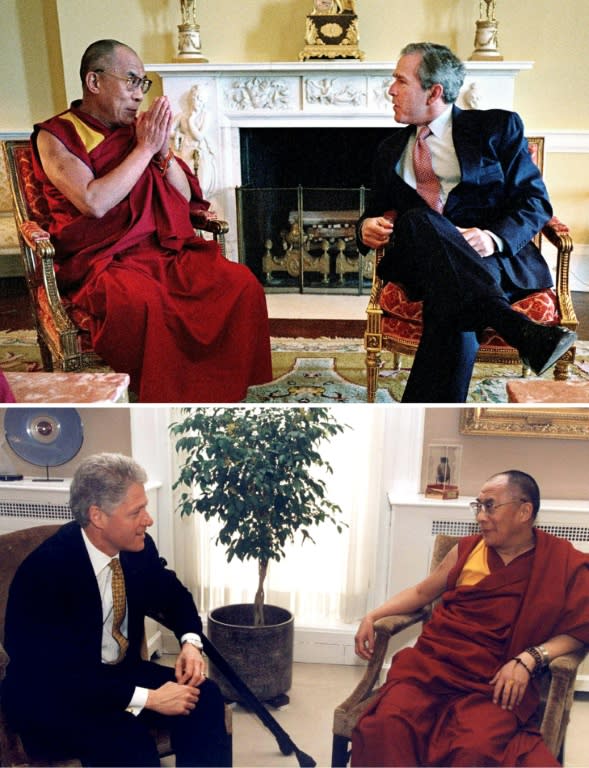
column 544, row 345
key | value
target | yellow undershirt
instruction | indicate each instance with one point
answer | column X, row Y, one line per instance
column 476, row 567
column 89, row 136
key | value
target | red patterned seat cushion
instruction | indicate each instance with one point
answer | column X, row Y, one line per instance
column 33, row 192
column 403, row 318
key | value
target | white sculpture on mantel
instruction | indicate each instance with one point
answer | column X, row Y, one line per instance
column 189, row 34
column 485, row 41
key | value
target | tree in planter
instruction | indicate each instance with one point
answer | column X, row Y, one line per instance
column 252, row 469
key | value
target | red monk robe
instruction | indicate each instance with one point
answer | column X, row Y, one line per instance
column 165, row 306
column 436, row 707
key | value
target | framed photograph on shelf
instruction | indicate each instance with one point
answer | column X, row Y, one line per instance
column 444, row 462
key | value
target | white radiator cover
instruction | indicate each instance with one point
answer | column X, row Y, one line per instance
column 31, row 502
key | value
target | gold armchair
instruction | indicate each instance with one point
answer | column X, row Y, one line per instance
column 557, row 683
column 62, row 333
column 394, row 322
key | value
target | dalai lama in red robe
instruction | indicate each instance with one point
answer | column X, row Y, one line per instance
column 513, row 598
column 164, row 305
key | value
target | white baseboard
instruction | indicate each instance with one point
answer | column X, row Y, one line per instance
column 311, row 646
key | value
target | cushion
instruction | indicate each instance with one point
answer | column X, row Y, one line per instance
column 403, row 318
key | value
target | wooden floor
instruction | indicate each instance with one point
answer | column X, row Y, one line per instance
column 15, row 315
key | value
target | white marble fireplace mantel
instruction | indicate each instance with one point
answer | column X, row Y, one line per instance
column 211, row 102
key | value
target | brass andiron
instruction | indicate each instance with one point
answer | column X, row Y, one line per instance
column 189, row 34
column 485, row 40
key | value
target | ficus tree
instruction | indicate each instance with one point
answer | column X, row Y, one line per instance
column 254, row 470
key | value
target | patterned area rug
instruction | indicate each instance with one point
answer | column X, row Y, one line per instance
column 344, row 360
column 319, row 371
column 19, row 351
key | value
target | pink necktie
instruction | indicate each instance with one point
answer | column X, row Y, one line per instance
column 428, row 184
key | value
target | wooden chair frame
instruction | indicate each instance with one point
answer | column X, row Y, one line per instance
column 58, row 336
column 557, row 684
column 375, row 340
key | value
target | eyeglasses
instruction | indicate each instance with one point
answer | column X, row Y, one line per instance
column 133, row 81
column 489, row 506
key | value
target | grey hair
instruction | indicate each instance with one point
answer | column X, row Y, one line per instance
column 103, row 480
column 438, row 65
column 97, row 55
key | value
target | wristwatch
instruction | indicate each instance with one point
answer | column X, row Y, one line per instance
column 193, row 639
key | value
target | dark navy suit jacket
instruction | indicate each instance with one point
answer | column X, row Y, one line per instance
column 500, row 189
column 54, row 625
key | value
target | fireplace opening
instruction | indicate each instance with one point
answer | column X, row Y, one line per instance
column 302, row 192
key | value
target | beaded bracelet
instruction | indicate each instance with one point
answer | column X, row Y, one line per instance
column 164, row 164
column 540, row 656
column 524, row 665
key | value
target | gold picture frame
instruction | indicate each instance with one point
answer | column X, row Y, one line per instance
column 570, row 423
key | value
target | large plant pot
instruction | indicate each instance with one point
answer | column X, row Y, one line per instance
column 261, row 656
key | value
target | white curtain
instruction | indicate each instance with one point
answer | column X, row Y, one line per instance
column 326, row 584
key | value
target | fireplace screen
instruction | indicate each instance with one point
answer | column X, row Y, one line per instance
column 303, row 239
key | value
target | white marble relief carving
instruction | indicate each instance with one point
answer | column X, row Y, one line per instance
column 471, row 97
column 190, row 142
column 258, row 93
column 380, row 93
column 332, row 92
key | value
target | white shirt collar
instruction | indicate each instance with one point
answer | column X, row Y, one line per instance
column 440, row 124
column 98, row 559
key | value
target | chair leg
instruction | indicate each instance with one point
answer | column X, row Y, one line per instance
column 562, row 369
column 340, row 752
column 372, row 368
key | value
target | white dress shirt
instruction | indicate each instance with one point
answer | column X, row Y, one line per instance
column 110, row 647
column 444, row 161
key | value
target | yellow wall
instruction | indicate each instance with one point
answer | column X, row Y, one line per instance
column 38, row 35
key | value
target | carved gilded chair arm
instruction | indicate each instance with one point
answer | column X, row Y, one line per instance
column 39, row 241
column 214, row 226
column 34, row 235
column 559, row 235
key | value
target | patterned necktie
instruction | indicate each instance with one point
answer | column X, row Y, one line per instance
column 428, row 184
column 119, row 606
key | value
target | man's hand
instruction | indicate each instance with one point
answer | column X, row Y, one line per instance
column 190, row 666
column 364, row 640
column 173, row 699
column 153, row 126
column 376, row 232
column 510, row 683
column 478, row 239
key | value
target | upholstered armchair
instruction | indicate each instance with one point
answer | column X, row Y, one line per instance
column 14, row 547
column 62, row 332
column 394, row 323
column 557, row 684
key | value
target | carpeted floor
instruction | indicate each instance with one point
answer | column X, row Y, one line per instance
column 321, row 370
column 308, row 383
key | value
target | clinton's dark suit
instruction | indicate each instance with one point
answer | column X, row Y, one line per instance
column 500, row 190
column 58, row 690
